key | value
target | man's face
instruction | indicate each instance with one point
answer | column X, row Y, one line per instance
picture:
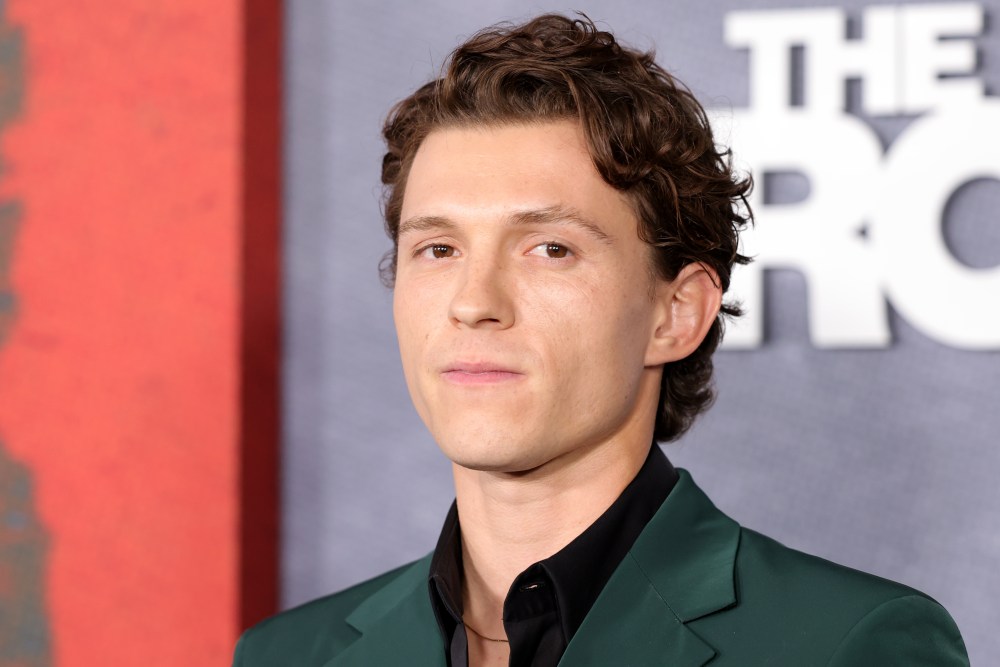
column 522, row 299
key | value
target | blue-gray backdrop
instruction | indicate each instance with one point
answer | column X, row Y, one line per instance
column 880, row 456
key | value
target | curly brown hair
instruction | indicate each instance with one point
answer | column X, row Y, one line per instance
column 648, row 137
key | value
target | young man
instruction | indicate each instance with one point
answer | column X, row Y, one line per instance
column 563, row 231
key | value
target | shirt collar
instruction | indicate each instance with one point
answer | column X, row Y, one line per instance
column 577, row 572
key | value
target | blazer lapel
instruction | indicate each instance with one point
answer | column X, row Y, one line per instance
column 630, row 624
column 397, row 626
column 681, row 568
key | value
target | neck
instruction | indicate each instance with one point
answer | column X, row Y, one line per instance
column 512, row 520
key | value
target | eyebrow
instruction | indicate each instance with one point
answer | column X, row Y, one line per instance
column 558, row 215
column 425, row 223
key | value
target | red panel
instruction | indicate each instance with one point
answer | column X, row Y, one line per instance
column 132, row 366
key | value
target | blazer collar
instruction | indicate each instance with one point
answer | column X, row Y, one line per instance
column 397, row 625
column 681, row 568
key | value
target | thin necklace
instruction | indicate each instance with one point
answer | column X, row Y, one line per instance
column 476, row 632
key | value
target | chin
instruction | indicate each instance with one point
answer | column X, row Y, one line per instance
column 492, row 455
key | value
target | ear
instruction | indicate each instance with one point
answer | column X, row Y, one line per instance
column 686, row 308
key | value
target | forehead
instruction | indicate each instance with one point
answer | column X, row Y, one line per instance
column 486, row 173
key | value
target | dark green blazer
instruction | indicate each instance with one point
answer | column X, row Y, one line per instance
column 695, row 589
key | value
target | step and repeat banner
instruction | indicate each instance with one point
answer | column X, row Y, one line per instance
column 139, row 211
column 857, row 413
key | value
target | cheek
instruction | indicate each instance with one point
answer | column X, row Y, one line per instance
column 560, row 310
column 406, row 315
column 420, row 312
column 593, row 326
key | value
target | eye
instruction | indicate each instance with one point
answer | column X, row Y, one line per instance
column 437, row 251
column 552, row 250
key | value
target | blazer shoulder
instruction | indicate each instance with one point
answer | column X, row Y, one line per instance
column 313, row 632
column 826, row 609
column 788, row 572
column 909, row 630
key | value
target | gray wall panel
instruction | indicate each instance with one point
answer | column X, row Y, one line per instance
column 881, row 459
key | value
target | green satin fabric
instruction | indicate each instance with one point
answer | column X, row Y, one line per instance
column 696, row 589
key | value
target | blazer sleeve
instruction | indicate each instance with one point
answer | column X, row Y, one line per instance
column 238, row 653
column 912, row 630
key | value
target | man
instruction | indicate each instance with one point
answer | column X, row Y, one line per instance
column 563, row 231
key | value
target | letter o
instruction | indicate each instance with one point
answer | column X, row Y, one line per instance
column 955, row 304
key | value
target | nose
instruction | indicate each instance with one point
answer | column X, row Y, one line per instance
column 482, row 297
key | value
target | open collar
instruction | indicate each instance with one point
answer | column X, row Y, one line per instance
column 681, row 568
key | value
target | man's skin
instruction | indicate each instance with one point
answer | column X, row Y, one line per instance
column 533, row 333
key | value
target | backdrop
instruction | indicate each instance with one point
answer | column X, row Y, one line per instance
column 139, row 217
column 858, row 420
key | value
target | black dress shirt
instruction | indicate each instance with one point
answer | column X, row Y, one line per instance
column 548, row 601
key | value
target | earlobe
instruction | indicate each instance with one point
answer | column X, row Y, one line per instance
column 687, row 308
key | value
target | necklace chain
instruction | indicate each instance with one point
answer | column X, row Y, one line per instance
column 476, row 632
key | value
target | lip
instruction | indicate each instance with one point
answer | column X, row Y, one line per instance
column 479, row 373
